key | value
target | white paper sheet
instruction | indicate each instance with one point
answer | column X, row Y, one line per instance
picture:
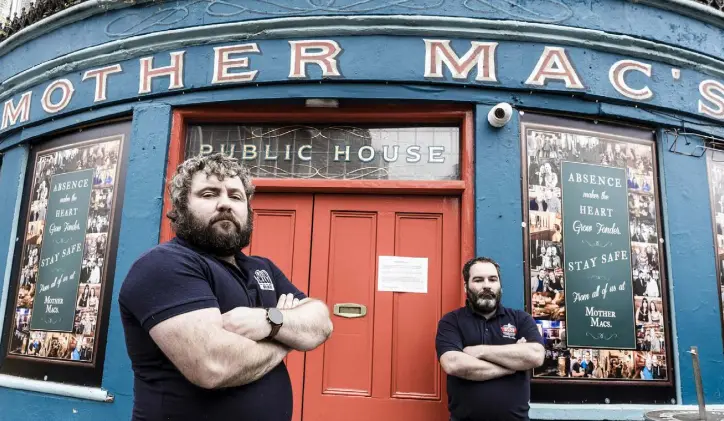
column 402, row 274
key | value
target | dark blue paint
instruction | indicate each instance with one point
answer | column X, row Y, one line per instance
column 140, row 222
column 498, row 192
column 332, row 89
column 498, row 202
column 11, row 178
column 377, row 58
column 611, row 16
column 692, row 267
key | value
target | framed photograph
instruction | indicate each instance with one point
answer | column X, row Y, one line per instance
column 64, row 264
column 594, row 267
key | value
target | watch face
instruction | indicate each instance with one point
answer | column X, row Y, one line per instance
column 275, row 316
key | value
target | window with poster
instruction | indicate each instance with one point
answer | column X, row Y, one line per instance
column 61, row 282
column 715, row 163
column 594, row 270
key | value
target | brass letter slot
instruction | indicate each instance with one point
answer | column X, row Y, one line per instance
column 350, row 310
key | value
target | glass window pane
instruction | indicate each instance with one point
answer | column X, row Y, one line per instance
column 335, row 152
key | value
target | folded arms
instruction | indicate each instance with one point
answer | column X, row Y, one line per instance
column 486, row 362
column 214, row 351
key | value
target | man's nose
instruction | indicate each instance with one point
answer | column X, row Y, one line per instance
column 224, row 203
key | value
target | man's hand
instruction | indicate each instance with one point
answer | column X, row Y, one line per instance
column 250, row 323
column 287, row 301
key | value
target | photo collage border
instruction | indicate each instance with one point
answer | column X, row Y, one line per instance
column 78, row 346
column 546, row 147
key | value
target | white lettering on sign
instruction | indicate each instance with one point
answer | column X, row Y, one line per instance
column 322, row 53
column 175, row 72
column 713, row 92
column 595, row 180
column 66, row 93
column 480, row 55
column 231, row 64
column 390, row 153
column 617, row 74
column 101, row 76
column 223, row 62
column 304, row 157
column 13, row 113
column 554, row 64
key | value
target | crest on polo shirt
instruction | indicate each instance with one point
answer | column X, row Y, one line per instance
column 264, row 280
column 509, row 331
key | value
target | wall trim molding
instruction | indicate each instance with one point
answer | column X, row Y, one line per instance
column 689, row 8
column 89, row 8
column 330, row 26
column 65, row 17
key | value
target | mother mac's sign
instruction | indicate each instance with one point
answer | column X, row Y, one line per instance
column 599, row 300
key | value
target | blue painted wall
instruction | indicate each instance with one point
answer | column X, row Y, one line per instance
column 374, row 58
column 140, row 224
column 498, row 202
column 691, row 266
column 390, row 67
column 611, row 16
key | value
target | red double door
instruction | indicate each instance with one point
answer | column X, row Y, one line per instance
column 380, row 363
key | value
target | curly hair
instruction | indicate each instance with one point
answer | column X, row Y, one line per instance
column 217, row 164
column 469, row 264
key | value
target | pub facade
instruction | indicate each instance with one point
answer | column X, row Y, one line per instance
column 578, row 143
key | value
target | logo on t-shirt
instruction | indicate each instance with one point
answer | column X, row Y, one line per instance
column 264, row 280
column 509, row 331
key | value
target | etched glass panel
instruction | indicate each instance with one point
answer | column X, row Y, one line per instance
column 334, row 152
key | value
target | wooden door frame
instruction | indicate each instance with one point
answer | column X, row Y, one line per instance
column 460, row 115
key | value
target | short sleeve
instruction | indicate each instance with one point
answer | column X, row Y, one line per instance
column 163, row 283
column 282, row 284
column 449, row 337
column 528, row 328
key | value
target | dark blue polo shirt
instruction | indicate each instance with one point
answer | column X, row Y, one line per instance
column 504, row 398
column 171, row 279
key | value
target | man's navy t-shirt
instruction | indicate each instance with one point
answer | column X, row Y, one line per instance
column 174, row 278
column 505, row 398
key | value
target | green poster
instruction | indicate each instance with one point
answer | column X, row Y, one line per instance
column 599, row 299
column 61, row 253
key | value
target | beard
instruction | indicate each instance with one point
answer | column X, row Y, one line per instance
column 206, row 237
column 485, row 301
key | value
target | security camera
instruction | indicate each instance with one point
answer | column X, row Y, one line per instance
column 500, row 114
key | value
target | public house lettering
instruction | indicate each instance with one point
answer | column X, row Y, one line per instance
column 231, row 64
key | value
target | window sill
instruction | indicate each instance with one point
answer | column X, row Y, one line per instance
column 601, row 412
column 53, row 388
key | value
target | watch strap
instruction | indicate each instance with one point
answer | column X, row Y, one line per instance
column 274, row 331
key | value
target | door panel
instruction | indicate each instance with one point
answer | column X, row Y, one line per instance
column 352, row 237
column 417, row 377
column 381, row 366
column 282, row 233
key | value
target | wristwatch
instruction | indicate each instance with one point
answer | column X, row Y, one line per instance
column 275, row 319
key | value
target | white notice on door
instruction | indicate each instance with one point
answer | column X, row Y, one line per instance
column 402, row 274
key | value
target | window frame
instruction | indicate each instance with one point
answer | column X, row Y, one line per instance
column 72, row 373
column 278, row 112
column 718, row 254
column 587, row 389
